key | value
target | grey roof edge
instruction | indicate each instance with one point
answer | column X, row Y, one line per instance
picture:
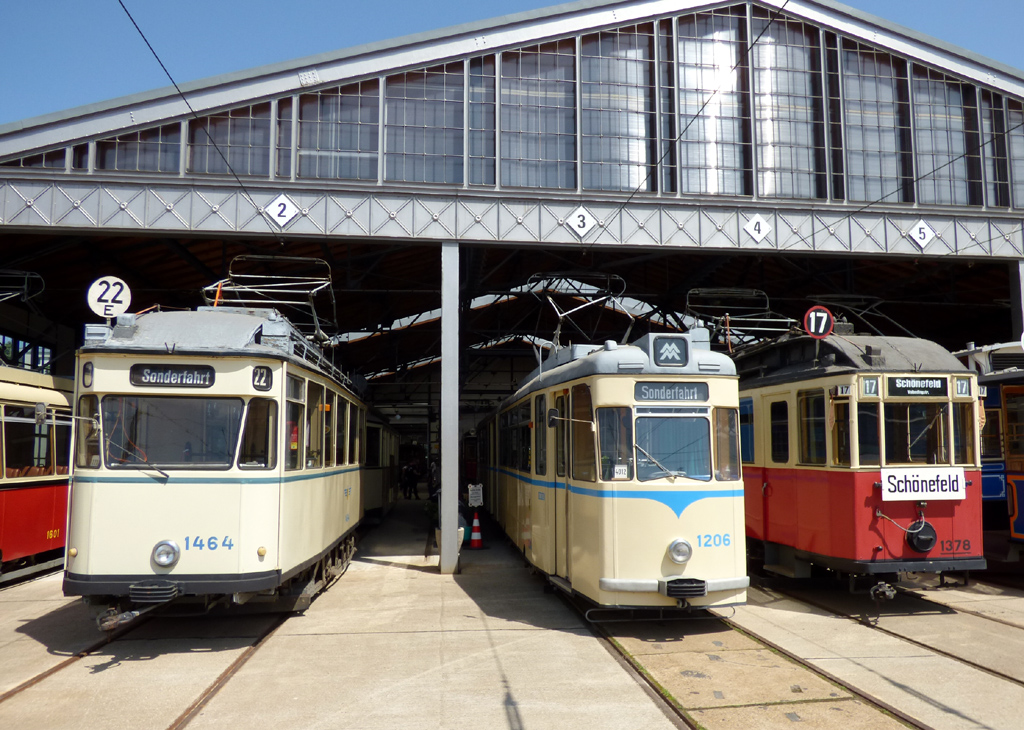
column 476, row 27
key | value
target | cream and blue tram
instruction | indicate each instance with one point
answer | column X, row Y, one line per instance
column 217, row 459
column 616, row 470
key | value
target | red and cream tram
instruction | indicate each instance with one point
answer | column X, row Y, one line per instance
column 860, row 455
column 34, row 480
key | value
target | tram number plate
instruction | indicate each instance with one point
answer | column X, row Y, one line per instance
column 955, row 546
column 714, row 540
column 209, row 543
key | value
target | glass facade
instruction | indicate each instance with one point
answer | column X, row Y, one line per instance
column 737, row 100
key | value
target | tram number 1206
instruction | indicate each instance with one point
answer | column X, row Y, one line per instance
column 717, row 540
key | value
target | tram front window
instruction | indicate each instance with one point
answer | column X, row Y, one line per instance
column 670, row 443
column 915, row 433
column 170, row 432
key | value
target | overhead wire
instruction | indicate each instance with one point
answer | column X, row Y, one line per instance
column 976, row 149
column 195, row 115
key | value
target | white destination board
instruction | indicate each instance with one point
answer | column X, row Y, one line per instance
column 476, row 495
column 923, row 484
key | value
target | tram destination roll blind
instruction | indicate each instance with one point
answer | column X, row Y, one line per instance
column 172, row 376
column 670, row 391
column 908, row 385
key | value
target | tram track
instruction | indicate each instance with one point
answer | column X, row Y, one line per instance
column 873, row 623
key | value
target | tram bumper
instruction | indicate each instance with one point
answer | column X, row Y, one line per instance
column 677, row 586
column 150, row 589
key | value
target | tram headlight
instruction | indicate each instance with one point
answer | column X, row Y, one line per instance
column 166, row 553
column 680, row 551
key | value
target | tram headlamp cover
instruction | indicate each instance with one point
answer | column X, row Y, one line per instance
column 680, row 551
column 166, row 553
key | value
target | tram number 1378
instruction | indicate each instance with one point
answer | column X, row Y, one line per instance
column 716, row 540
column 210, row 543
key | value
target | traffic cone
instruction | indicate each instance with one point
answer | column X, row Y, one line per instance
column 475, row 541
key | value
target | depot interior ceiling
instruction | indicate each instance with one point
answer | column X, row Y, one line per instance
column 386, row 295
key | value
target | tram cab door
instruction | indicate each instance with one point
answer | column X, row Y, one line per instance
column 559, row 453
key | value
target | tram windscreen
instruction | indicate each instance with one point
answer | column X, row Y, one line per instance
column 170, row 432
column 672, row 446
column 915, row 433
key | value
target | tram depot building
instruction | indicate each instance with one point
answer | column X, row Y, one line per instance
column 465, row 185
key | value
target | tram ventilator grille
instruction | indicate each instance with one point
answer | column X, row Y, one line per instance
column 684, row 588
column 153, row 592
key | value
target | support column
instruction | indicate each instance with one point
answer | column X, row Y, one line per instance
column 449, row 406
column 1017, row 298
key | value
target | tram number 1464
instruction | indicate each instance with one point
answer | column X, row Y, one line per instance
column 210, row 543
column 717, row 540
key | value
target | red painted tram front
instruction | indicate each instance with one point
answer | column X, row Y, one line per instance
column 861, row 455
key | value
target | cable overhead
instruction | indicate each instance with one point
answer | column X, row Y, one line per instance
column 245, row 191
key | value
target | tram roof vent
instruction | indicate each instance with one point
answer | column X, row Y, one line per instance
column 124, row 327
column 873, row 356
column 96, row 333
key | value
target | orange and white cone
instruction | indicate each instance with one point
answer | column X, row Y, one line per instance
column 475, row 540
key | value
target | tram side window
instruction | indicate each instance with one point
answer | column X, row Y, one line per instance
column 540, row 429
column 584, row 455
column 87, row 435
column 27, row 446
column 869, row 449
column 259, row 435
column 62, row 442
column 295, row 416
column 373, row 446
column 915, row 433
column 992, row 435
column 560, row 436
column 811, row 410
column 362, row 441
column 314, row 426
column 841, row 433
column 353, row 434
column 727, row 463
column 615, row 434
column 779, row 416
column 329, row 413
column 747, row 430
column 1014, row 424
column 963, row 433
column 342, row 436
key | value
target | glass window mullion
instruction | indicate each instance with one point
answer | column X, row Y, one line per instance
column 579, row 113
column 842, row 118
column 466, row 133
column 272, row 151
column 382, row 123
column 751, row 99
column 913, row 135
column 295, row 138
column 676, row 110
column 183, row 148
column 826, row 118
column 654, row 166
column 498, row 103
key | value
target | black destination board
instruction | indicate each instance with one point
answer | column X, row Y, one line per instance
column 172, row 376
column 918, row 385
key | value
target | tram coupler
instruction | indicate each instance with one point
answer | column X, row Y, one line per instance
column 882, row 591
column 112, row 620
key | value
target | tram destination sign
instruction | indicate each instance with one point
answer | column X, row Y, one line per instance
column 172, row 376
column 924, row 483
column 906, row 385
column 670, row 391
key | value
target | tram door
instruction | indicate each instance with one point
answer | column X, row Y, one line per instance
column 562, row 496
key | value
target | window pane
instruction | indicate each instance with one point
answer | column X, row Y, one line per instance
column 584, row 457
column 915, row 433
column 315, row 426
column 424, row 130
column 259, row 435
column 332, row 143
column 87, row 439
column 868, row 434
column 727, row 463
column 747, row 430
column 811, row 405
column 170, row 432
column 295, row 420
column 27, row 445
column 540, row 429
column 841, row 433
column 673, row 446
column 780, row 432
column 615, row 433
column 963, row 433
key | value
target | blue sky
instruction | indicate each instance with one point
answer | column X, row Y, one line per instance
column 59, row 54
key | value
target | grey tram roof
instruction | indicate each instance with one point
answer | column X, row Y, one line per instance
column 579, row 361
column 211, row 331
column 793, row 358
column 472, row 39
